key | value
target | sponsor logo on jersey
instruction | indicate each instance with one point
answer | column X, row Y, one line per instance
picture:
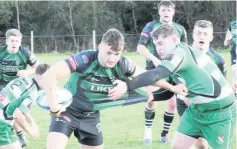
column 220, row 139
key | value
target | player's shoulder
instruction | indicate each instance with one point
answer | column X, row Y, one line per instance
column 87, row 56
column 150, row 25
column 216, row 54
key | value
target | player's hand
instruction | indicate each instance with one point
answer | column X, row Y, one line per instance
column 234, row 87
column 57, row 112
column 118, row 91
column 156, row 62
column 180, row 89
column 35, row 132
column 226, row 42
column 22, row 73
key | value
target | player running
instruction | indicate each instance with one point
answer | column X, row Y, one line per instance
column 211, row 113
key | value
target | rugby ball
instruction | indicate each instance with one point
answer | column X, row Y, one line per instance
column 64, row 98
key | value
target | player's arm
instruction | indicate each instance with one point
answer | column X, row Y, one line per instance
column 227, row 37
column 21, row 121
column 143, row 42
column 31, row 60
column 152, row 77
column 57, row 71
column 60, row 70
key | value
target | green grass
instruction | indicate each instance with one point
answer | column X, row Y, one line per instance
column 123, row 126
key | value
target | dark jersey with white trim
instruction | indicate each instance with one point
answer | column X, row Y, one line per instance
column 10, row 64
column 90, row 82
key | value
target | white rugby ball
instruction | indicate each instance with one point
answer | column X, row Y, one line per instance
column 64, row 98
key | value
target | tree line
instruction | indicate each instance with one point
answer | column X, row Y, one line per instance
column 68, row 25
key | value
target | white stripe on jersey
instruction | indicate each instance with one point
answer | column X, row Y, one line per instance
column 225, row 92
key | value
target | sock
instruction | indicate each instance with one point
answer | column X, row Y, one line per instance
column 19, row 133
column 149, row 117
column 168, row 118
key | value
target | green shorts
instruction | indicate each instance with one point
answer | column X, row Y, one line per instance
column 215, row 126
column 7, row 135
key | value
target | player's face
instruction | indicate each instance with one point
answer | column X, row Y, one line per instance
column 166, row 14
column 107, row 57
column 164, row 45
column 13, row 44
column 202, row 37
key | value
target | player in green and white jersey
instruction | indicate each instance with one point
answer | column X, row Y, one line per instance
column 15, row 100
column 13, row 64
column 147, row 48
column 211, row 113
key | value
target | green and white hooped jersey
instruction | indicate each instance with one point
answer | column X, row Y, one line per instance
column 19, row 93
column 205, row 82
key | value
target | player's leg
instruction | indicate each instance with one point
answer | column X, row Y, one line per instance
column 188, row 131
column 201, row 143
column 19, row 132
column 149, row 117
column 162, row 95
column 59, row 131
column 89, row 132
column 168, row 119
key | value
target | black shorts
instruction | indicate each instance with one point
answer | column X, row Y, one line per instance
column 86, row 126
column 181, row 106
column 233, row 54
column 162, row 95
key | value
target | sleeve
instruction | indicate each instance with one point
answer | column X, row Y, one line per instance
column 145, row 34
column 222, row 66
column 26, row 106
column 127, row 67
column 167, row 67
column 79, row 62
column 184, row 38
column 30, row 57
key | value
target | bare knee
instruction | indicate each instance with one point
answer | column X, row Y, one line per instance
column 171, row 104
column 150, row 105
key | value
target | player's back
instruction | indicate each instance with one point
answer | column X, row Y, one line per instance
column 17, row 87
column 205, row 82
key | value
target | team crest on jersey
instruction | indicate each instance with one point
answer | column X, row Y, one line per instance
column 220, row 139
column 18, row 62
column 175, row 60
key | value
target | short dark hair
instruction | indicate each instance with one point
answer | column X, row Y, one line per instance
column 41, row 68
column 114, row 38
column 166, row 3
column 164, row 30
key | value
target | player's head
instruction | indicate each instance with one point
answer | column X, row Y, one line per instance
column 111, row 48
column 13, row 40
column 166, row 11
column 39, row 71
column 165, row 38
column 202, row 34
